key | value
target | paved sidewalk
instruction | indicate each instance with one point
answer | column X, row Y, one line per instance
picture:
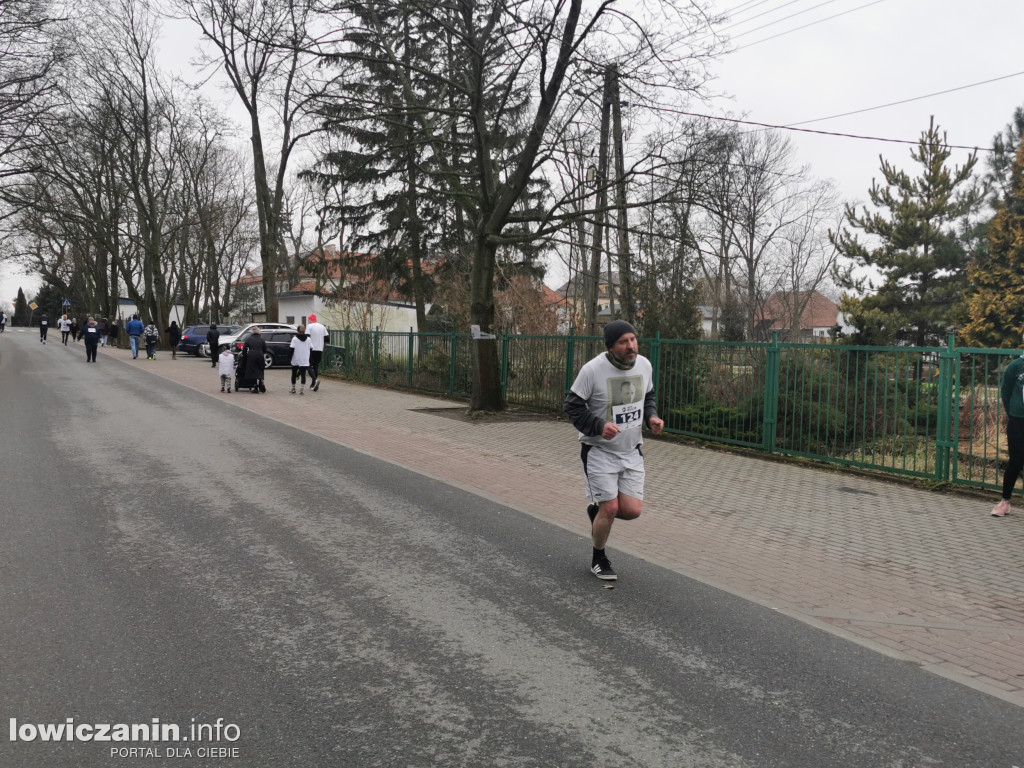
column 926, row 577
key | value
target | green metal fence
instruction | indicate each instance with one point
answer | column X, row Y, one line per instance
column 928, row 412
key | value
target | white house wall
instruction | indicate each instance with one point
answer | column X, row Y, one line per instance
column 355, row 315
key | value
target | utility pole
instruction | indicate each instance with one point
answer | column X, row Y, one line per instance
column 600, row 207
column 622, row 224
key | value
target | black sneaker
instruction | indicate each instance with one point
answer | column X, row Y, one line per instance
column 603, row 569
column 316, row 385
column 592, row 513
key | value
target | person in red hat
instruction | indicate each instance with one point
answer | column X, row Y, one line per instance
column 317, row 333
column 610, row 401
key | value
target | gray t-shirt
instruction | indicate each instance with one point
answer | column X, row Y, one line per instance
column 617, row 396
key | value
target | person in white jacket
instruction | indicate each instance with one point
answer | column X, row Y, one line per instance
column 301, row 346
column 64, row 325
column 226, row 368
column 317, row 335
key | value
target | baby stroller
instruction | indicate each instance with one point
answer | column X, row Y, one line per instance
column 240, row 380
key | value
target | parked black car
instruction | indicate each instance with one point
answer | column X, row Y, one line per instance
column 194, row 336
column 279, row 350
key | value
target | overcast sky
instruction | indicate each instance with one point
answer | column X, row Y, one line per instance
column 871, row 53
column 877, row 52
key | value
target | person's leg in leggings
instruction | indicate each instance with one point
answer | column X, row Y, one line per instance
column 1015, row 445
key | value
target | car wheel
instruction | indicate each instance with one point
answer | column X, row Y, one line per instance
column 268, row 360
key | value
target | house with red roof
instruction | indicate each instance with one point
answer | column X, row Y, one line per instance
column 797, row 316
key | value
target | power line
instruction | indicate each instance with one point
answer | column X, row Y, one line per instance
column 822, row 133
column 741, row 22
column 759, row 15
column 906, row 101
column 805, row 26
column 743, row 7
column 784, row 18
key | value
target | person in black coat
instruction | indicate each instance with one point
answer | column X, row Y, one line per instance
column 91, row 334
column 213, row 339
column 174, row 338
column 254, row 350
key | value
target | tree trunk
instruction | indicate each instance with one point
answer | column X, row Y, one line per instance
column 268, row 225
column 486, row 395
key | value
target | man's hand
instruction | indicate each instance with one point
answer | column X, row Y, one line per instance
column 656, row 425
column 609, row 431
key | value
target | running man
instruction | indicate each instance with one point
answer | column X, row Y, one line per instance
column 606, row 405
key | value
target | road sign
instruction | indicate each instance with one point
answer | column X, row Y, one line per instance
column 66, row 303
column 34, row 305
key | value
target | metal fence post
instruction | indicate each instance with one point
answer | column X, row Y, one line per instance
column 944, row 419
column 771, row 393
column 570, row 359
column 451, row 364
column 409, row 363
column 376, row 348
column 656, row 360
column 504, row 367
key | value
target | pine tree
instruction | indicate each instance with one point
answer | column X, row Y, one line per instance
column 21, row 310
column 1001, row 161
column 995, row 302
column 391, row 203
column 921, row 259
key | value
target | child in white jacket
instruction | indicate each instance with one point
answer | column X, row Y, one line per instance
column 301, row 346
column 226, row 368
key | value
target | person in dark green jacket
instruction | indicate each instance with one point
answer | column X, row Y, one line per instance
column 1011, row 392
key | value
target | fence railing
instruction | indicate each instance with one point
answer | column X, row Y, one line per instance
column 928, row 412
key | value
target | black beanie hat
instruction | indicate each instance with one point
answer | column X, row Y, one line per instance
column 615, row 330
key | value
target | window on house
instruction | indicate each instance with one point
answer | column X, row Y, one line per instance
column 290, row 319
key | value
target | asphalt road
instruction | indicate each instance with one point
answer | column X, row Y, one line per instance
column 166, row 555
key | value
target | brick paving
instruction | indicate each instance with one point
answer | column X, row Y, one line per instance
column 923, row 576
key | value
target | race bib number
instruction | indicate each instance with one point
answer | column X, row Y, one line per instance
column 628, row 416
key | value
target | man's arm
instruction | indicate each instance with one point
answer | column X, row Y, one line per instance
column 651, row 419
column 650, row 408
column 575, row 408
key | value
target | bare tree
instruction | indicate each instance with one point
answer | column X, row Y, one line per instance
column 262, row 47
column 520, row 66
column 807, row 256
column 764, row 203
column 218, row 231
column 32, row 47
